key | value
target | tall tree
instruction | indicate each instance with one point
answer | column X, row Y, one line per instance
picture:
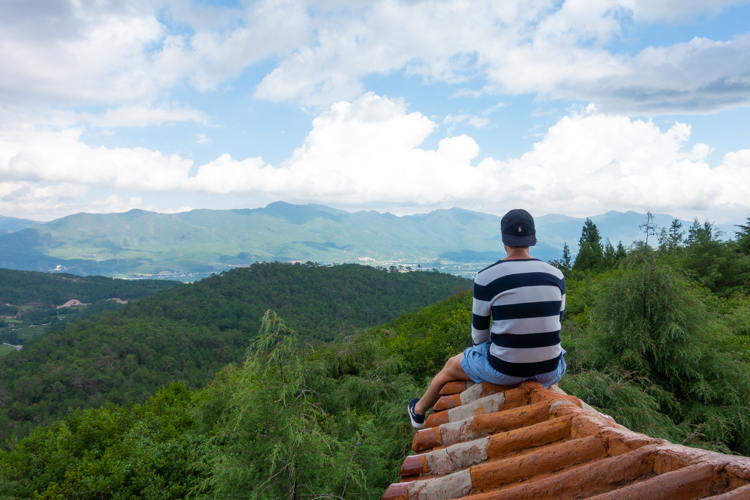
column 590, row 253
column 620, row 253
column 566, row 259
column 649, row 227
column 564, row 263
column 743, row 237
column 609, row 253
column 701, row 233
column 672, row 238
column 716, row 264
column 590, row 234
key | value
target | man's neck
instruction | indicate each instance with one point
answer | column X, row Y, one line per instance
column 517, row 253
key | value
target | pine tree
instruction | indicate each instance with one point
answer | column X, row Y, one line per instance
column 652, row 324
column 671, row 239
column 590, row 254
column 699, row 234
column 718, row 265
column 566, row 259
column 590, row 234
column 620, row 253
column 609, row 254
column 676, row 236
column 743, row 237
column 649, row 227
column 563, row 263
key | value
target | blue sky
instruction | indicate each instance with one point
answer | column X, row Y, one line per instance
column 575, row 107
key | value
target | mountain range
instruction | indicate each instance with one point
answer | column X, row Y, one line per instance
column 138, row 242
column 12, row 224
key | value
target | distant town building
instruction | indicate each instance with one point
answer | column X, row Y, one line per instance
column 119, row 301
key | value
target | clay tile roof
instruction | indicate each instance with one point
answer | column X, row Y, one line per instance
column 485, row 441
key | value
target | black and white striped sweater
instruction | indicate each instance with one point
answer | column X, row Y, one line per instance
column 525, row 299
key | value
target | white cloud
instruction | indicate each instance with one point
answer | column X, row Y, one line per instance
column 120, row 52
column 654, row 10
column 125, row 53
column 591, row 163
column 476, row 121
column 42, row 154
column 202, row 139
column 367, row 153
column 88, row 51
column 518, row 47
column 142, row 115
column 29, row 200
column 114, row 204
column 492, row 109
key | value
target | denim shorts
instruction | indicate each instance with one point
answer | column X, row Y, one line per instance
column 477, row 366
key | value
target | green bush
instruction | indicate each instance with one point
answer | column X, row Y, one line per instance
column 651, row 332
column 117, row 452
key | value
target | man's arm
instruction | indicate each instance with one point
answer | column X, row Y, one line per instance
column 562, row 304
column 480, row 319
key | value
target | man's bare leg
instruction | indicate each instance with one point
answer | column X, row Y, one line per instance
column 452, row 371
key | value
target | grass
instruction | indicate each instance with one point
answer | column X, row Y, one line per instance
column 5, row 350
column 31, row 332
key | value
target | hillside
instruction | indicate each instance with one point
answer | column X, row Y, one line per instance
column 22, row 287
column 332, row 418
column 29, row 300
column 200, row 242
column 190, row 332
column 11, row 224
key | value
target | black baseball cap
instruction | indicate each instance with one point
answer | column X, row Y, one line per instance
column 518, row 230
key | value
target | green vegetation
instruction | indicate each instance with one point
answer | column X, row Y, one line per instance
column 650, row 341
column 188, row 333
column 660, row 339
column 48, row 290
column 35, row 296
column 201, row 242
column 6, row 349
column 291, row 421
column 10, row 224
column 315, row 300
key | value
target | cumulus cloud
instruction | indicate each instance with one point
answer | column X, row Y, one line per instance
column 38, row 202
column 60, row 156
column 519, row 47
column 120, row 52
column 76, row 51
column 367, row 153
column 124, row 53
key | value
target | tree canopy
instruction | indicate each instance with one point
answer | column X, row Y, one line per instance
column 190, row 332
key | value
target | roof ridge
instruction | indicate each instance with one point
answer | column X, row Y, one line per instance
column 489, row 441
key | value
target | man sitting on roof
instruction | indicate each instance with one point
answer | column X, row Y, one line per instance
column 526, row 299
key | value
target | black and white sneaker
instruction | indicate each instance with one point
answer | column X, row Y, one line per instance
column 417, row 420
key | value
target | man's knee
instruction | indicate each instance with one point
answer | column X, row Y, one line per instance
column 453, row 365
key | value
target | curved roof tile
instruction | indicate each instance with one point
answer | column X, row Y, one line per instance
column 490, row 442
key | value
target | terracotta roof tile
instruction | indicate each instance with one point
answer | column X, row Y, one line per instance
column 490, row 442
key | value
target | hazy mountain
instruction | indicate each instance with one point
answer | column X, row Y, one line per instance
column 617, row 226
column 204, row 241
column 11, row 224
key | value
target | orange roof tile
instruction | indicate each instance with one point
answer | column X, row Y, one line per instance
column 490, row 442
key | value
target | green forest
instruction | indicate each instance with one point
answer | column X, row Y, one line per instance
column 29, row 300
column 54, row 289
column 658, row 336
column 188, row 333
